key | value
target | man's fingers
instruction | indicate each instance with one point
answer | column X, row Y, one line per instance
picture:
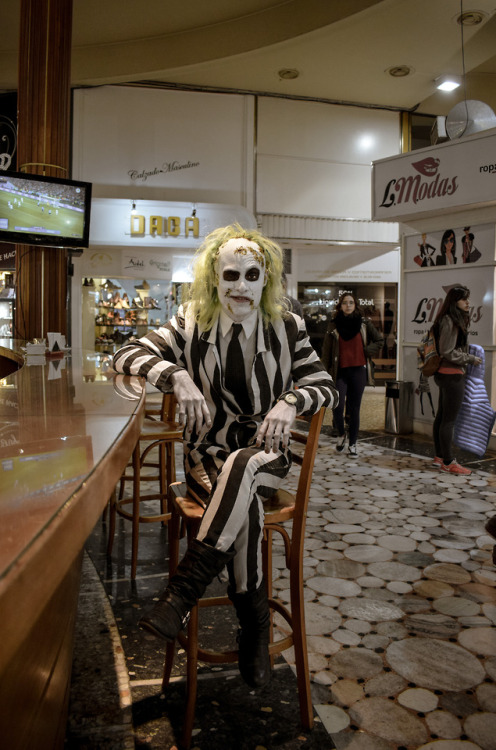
column 206, row 414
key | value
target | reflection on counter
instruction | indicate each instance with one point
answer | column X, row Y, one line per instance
column 42, row 467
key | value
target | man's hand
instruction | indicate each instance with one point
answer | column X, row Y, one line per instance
column 275, row 428
column 192, row 405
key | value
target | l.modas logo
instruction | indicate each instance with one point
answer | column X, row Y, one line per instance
column 427, row 167
column 412, row 188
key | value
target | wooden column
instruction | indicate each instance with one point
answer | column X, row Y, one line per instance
column 43, row 148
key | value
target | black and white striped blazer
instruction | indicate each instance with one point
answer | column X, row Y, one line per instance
column 284, row 360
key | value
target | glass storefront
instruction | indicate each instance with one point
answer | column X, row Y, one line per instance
column 379, row 302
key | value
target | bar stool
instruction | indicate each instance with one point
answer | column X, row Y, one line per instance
column 186, row 515
column 162, row 434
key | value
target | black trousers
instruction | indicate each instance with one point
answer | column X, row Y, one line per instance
column 451, row 389
column 350, row 382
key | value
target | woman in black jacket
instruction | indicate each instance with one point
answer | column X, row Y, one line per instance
column 349, row 343
column 450, row 327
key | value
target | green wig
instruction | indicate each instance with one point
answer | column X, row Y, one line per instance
column 203, row 299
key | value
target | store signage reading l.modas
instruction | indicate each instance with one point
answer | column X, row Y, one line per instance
column 454, row 174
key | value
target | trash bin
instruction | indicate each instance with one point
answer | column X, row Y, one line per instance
column 399, row 407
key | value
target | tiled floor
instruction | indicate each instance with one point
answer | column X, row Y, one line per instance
column 400, row 610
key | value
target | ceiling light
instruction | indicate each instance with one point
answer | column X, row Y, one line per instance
column 448, row 82
column 471, row 18
column 288, row 73
column 399, row 71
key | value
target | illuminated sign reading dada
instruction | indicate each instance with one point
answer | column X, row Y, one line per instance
column 164, row 226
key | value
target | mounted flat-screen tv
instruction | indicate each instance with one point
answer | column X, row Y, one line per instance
column 47, row 211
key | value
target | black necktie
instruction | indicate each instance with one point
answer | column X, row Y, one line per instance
column 235, row 371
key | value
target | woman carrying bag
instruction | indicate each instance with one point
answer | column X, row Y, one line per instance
column 451, row 330
column 349, row 344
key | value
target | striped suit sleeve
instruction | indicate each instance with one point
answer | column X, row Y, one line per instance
column 315, row 387
column 154, row 356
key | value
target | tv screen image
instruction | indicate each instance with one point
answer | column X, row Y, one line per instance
column 44, row 210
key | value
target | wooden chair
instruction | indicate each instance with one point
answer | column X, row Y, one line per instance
column 186, row 515
column 162, row 434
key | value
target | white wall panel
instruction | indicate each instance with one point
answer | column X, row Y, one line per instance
column 314, row 188
column 172, row 145
column 349, row 264
column 315, row 158
column 354, row 135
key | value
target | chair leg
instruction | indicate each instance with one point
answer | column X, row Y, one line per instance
column 136, row 509
column 267, row 573
column 122, row 486
column 300, row 649
column 163, row 450
column 191, row 677
column 111, row 529
column 170, row 652
column 174, row 536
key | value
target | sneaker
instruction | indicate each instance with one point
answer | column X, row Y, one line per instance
column 455, row 468
column 340, row 443
column 352, row 451
column 438, row 462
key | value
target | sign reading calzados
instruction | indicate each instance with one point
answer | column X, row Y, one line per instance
column 451, row 175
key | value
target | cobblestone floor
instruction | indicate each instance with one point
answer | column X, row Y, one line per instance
column 400, row 597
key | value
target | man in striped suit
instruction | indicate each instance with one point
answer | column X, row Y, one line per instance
column 241, row 367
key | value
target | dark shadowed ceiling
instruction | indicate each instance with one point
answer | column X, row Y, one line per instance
column 343, row 50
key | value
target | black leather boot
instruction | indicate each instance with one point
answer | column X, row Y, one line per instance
column 491, row 526
column 197, row 569
column 253, row 613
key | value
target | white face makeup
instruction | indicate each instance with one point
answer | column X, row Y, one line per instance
column 240, row 278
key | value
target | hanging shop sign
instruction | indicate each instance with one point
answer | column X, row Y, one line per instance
column 159, row 224
column 120, row 262
column 451, row 176
column 8, row 257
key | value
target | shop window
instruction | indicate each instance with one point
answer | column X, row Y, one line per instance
column 379, row 302
column 118, row 310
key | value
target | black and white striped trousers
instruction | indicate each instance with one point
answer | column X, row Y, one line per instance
column 234, row 491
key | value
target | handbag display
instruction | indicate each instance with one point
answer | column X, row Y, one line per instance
column 476, row 418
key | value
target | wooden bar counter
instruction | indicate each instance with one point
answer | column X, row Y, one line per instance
column 67, row 429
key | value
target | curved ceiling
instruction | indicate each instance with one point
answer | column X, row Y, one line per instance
column 341, row 50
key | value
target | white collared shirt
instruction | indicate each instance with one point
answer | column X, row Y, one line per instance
column 247, row 339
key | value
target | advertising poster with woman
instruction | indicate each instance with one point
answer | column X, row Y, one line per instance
column 456, row 246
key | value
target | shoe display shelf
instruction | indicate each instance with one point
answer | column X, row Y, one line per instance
column 7, row 303
column 120, row 319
